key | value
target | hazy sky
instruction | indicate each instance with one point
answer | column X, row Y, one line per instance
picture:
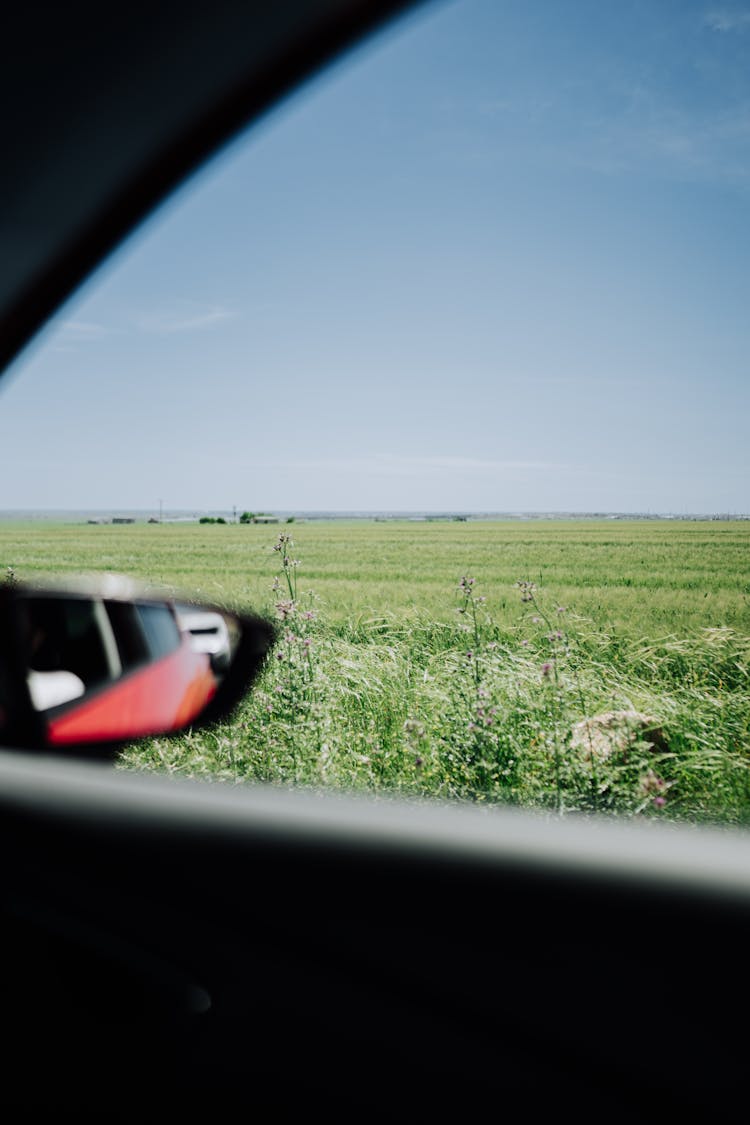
column 495, row 260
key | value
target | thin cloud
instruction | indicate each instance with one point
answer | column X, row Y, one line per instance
column 73, row 334
column 669, row 143
column 724, row 20
column 81, row 331
column 169, row 323
column 392, row 465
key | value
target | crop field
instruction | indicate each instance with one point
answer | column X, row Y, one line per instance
column 597, row 665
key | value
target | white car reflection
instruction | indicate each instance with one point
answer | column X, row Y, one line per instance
column 209, row 633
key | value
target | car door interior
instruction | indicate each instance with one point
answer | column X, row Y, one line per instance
column 172, row 947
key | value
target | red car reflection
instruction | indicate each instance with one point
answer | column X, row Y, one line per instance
column 161, row 697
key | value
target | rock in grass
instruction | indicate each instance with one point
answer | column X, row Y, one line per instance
column 614, row 732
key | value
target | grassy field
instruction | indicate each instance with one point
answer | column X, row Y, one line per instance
column 393, row 674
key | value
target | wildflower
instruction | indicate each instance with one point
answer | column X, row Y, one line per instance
column 308, row 615
column 561, row 609
column 536, row 620
column 546, row 668
column 659, row 802
column 285, row 609
column 652, row 783
column 525, row 643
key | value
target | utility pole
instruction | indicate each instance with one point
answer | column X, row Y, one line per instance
column 234, row 509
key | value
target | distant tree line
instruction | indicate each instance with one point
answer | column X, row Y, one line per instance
column 246, row 517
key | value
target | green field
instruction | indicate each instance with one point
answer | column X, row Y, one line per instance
column 379, row 681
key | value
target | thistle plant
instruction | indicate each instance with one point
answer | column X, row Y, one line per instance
column 468, row 606
column 551, row 678
column 292, row 700
column 288, row 567
column 491, row 766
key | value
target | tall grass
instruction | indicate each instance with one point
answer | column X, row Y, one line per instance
column 480, row 697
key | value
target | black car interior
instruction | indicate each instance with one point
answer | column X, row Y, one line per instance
column 66, row 634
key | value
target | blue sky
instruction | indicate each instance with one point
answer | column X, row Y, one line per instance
column 495, row 260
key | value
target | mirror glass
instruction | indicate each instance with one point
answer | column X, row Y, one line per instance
column 106, row 660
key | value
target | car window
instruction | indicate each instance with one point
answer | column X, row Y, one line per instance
column 442, row 366
column 132, row 647
column 68, row 635
column 160, row 628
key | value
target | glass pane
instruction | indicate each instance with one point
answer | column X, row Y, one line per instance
column 443, row 367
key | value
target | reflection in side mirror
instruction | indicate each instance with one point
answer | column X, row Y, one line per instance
column 101, row 661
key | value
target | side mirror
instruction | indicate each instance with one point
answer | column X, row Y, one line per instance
column 95, row 663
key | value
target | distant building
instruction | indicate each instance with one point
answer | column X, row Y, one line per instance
column 265, row 519
column 123, row 519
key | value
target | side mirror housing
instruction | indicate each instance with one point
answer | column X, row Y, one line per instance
column 91, row 664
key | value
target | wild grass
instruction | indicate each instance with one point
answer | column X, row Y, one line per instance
column 450, row 661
